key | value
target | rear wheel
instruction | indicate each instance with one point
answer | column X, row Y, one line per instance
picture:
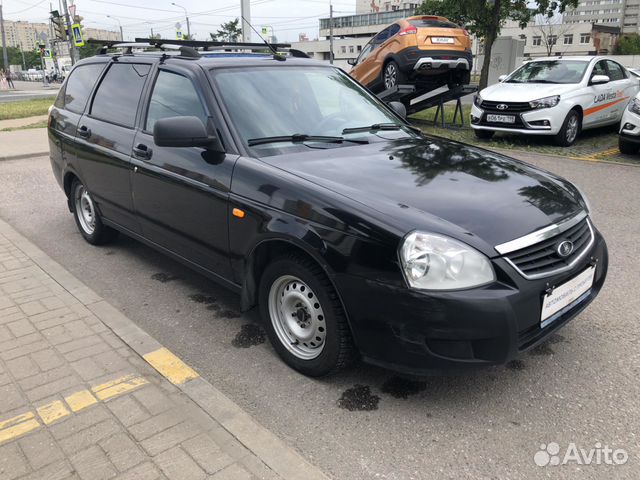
column 87, row 216
column 304, row 317
column 392, row 75
column 484, row 134
column 570, row 129
column 627, row 147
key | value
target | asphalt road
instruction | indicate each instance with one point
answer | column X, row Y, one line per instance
column 580, row 387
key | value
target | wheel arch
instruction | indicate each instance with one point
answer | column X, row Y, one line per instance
column 67, row 180
column 265, row 251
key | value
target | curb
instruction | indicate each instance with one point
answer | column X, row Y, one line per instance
column 273, row 452
column 22, row 156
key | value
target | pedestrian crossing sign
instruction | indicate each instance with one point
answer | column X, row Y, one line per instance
column 179, row 35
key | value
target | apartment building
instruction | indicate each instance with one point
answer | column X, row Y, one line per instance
column 618, row 13
column 24, row 35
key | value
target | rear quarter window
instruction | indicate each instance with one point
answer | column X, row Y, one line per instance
column 76, row 91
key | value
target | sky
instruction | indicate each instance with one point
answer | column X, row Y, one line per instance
column 288, row 18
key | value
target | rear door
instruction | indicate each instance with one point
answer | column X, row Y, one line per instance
column 66, row 112
column 623, row 88
column 105, row 139
column 181, row 194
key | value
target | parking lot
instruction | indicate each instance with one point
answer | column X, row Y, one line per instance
column 581, row 387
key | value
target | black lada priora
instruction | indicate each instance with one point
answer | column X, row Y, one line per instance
column 354, row 234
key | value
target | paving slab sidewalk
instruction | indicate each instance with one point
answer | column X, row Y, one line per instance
column 85, row 393
column 24, row 144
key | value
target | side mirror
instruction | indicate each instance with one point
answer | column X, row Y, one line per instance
column 399, row 108
column 599, row 79
column 182, row 132
column 352, row 61
column 502, row 78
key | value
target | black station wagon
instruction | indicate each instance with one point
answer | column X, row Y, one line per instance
column 354, row 234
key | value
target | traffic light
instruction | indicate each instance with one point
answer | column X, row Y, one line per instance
column 59, row 27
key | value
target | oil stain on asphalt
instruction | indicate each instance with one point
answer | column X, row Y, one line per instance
column 516, row 365
column 542, row 349
column 358, row 399
column 249, row 335
column 211, row 303
column 399, row 387
column 164, row 277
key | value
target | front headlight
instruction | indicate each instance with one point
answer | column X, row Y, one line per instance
column 634, row 106
column 477, row 100
column 436, row 262
column 545, row 102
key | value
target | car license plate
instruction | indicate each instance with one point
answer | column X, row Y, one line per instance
column 563, row 297
column 441, row 40
column 501, row 118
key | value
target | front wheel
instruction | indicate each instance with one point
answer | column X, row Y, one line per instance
column 570, row 129
column 87, row 216
column 627, row 147
column 303, row 317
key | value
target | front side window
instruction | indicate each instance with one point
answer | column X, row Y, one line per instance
column 550, row 71
column 366, row 51
column 78, row 87
column 615, row 71
column 285, row 101
column 173, row 96
column 118, row 96
column 599, row 69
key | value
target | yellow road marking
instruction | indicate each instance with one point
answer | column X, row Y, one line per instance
column 170, row 366
column 53, row 411
column 17, row 426
column 117, row 387
column 79, row 400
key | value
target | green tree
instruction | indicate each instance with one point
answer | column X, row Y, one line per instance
column 31, row 58
column 628, row 45
column 228, row 32
column 485, row 18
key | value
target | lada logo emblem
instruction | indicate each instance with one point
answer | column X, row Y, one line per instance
column 502, row 106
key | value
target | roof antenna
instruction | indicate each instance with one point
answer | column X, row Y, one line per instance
column 276, row 55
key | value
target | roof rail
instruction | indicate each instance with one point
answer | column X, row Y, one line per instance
column 185, row 50
column 211, row 45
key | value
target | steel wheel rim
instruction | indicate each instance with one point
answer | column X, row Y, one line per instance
column 297, row 317
column 85, row 210
column 390, row 76
column 572, row 128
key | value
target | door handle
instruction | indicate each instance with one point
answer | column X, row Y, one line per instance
column 84, row 132
column 142, row 151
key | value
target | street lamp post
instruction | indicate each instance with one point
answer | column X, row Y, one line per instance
column 120, row 24
column 186, row 14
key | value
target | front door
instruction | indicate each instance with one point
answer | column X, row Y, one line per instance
column 597, row 113
column 181, row 194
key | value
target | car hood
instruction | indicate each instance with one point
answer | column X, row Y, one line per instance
column 524, row 92
column 443, row 186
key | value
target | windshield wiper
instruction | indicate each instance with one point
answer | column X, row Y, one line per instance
column 542, row 81
column 376, row 127
column 300, row 138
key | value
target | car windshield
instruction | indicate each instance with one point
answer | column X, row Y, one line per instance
column 551, row 71
column 296, row 106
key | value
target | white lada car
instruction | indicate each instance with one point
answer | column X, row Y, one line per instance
column 555, row 96
column 629, row 138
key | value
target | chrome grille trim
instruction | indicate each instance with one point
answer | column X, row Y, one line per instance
column 569, row 266
column 540, row 235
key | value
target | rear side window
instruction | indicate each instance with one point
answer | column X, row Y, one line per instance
column 119, row 93
column 173, row 96
column 78, row 87
column 432, row 23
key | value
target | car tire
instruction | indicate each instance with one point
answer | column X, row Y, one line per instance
column 87, row 216
column 570, row 129
column 392, row 76
column 627, row 147
column 303, row 317
column 484, row 134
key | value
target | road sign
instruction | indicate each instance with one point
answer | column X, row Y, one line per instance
column 76, row 29
column 47, row 53
column 179, row 35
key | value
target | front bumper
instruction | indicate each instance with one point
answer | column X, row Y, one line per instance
column 630, row 126
column 544, row 121
column 423, row 333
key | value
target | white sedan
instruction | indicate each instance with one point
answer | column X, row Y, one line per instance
column 629, row 137
column 555, row 96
